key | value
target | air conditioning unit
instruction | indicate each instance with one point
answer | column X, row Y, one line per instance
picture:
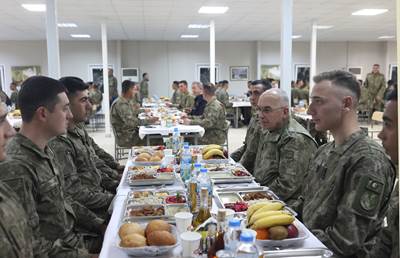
column 130, row 74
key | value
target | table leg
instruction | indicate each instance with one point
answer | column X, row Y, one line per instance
column 148, row 140
column 196, row 139
column 236, row 122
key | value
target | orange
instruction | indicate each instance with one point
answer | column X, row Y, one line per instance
column 262, row 234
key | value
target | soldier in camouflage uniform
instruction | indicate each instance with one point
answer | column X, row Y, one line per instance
column 144, row 87
column 375, row 86
column 175, row 99
column 285, row 149
column 112, row 85
column 212, row 120
column 257, row 87
column 186, row 100
column 388, row 239
column 223, row 96
column 33, row 173
column 124, row 118
column 347, row 189
column 14, row 94
column 95, row 97
column 15, row 233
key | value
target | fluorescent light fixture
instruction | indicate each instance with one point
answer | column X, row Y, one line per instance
column 386, row 37
column 296, row 36
column 213, row 9
column 84, row 36
column 34, row 7
column 198, row 26
column 189, row 36
column 324, row 27
column 369, row 12
column 67, row 25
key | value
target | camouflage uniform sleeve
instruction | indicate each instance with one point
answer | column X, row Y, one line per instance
column 238, row 153
column 208, row 119
column 364, row 194
column 102, row 154
column 294, row 158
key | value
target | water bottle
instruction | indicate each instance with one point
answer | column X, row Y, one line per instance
column 204, row 181
column 231, row 238
column 247, row 247
column 186, row 161
column 176, row 140
column 196, row 170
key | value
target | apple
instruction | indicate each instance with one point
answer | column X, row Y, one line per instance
column 293, row 232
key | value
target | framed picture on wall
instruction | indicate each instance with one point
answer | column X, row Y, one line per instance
column 21, row 73
column 203, row 73
column 239, row 73
column 2, row 78
column 270, row 72
column 302, row 72
column 356, row 71
column 393, row 72
column 96, row 74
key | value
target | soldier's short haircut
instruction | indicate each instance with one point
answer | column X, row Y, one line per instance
column 225, row 82
column 392, row 96
column 341, row 79
column 175, row 82
column 209, row 89
column 282, row 95
column 73, row 84
column 127, row 85
column 38, row 91
column 183, row 82
column 143, row 75
column 266, row 85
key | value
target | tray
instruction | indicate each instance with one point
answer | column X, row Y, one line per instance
column 168, row 215
column 229, row 177
column 152, row 197
column 159, row 179
column 303, row 252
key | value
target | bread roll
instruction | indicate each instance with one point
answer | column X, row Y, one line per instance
column 130, row 228
column 157, row 225
column 144, row 156
column 133, row 240
column 160, row 238
column 159, row 154
column 155, row 158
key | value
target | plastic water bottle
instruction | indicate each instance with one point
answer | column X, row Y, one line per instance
column 186, row 161
column 247, row 247
column 176, row 140
column 232, row 236
column 204, row 181
column 196, row 170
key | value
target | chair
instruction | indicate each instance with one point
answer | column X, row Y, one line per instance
column 226, row 144
column 120, row 153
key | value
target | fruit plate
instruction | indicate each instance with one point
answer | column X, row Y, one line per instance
column 303, row 235
column 149, row 250
column 226, row 177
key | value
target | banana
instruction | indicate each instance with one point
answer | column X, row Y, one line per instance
column 271, row 221
column 210, row 147
column 265, row 214
column 254, row 207
column 272, row 206
column 214, row 152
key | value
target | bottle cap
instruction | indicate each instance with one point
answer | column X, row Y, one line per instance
column 234, row 223
column 203, row 170
column 176, row 129
column 246, row 237
column 197, row 165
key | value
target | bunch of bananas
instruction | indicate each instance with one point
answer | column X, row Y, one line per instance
column 213, row 151
column 268, row 214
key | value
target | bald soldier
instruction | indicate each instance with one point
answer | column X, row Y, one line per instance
column 285, row 147
column 349, row 181
column 247, row 152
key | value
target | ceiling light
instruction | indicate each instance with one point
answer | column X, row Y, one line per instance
column 80, row 36
column 34, row 7
column 198, row 26
column 370, row 12
column 386, row 37
column 189, row 36
column 324, row 27
column 213, row 9
column 296, row 36
column 67, row 25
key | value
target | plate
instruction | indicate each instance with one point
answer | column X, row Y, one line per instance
column 303, row 235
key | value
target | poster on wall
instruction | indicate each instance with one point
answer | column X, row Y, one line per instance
column 393, row 72
column 270, row 72
column 239, row 73
column 21, row 73
column 356, row 71
column 203, row 73
column 302, row 72
column 2, row 78
column 96, row 74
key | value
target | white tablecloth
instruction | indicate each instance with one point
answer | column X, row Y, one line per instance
column 158, row 129
column 15, row 122
column 303, row 116
column 241, row 104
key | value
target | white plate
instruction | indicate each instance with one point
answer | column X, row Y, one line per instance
column 303, row 235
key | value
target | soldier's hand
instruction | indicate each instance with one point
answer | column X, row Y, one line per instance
column 153, row 119
column 186, row 121
column 184, row 115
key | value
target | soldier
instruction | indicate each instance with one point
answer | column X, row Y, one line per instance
column 285, row 149
column 223, row 96
column 347, row 189
column 14, row 94
column 144, row 87
column 33, row 173
column 112, row 85
column 175, row 99
column 212, row 120
column 246, row 154
column 186, row 100
column 388, row 241
column 95, row 96
column 15, row 233
column 124, row 118
column 375, row 86
column 199, row 102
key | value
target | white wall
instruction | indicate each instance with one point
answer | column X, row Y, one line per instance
column 167, row 61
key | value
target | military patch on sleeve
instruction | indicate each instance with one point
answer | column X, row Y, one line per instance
column 368, row 196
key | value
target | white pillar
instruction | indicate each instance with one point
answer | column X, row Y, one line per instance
column 53, row 49
column 398, row 71
column 106, row 98
column 118, row 68
column 313, row 54
column 212, row 51
column 258, row 60
column 286, row 46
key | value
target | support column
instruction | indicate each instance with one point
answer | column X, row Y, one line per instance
column 398, row 62
column 286, row 46
column 258, row 60
column 212, row 51
column 313, row 54
column 106, row 97
column 53, row 49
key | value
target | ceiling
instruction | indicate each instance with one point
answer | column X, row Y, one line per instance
column 246, row 20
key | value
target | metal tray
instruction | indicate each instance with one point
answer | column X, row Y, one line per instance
column 172, row 209
column 161, row 179
column 303, row 252
column 266, row 191
column 128, row 208
column 227, row 177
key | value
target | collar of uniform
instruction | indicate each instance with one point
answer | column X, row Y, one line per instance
column 27, row 143
column 352, row 139
column 77, row 130
column 212, row 100
column 274, row 136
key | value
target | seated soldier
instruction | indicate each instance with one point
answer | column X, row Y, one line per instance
column 285, row 149
column 223, row 96
column 124, row 118
column 199, row 102
column 212, row 120
column 175, row 99
column 186, row 101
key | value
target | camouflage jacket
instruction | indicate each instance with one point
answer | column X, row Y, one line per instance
column 251, row 129
column 282, row 159
column 186, row 100
column 35, row 178
column 95, row 97
column 15, row 233
column 14, row 98
column 144, row 89
column 347, row 194
column 175, row 99
column 253, row 139
column 375, row 86
column 125, row 123
column 113, row 86
column 223, row 97
column 214, row 123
